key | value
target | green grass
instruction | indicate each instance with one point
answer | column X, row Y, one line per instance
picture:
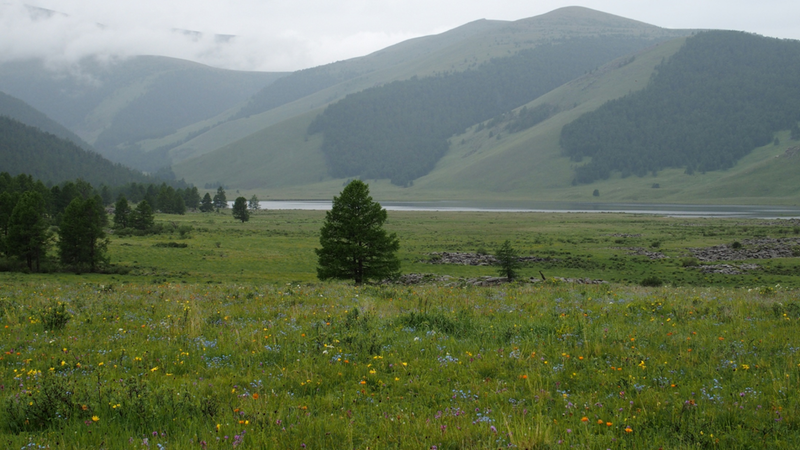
column 277, row 246
column 231, row 340
column 295, row 366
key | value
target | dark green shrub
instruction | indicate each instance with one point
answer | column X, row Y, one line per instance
column 690, row 262
column 651, row 281
column 55, row 317
column 171, row 244
column 51, row 402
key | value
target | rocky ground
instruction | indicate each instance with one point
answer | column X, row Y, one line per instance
column 474, row 259
column 424, row 278
column 640, row 251
column 728, row 269
column 758, row 248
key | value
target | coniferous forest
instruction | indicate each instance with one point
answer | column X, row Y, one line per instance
column 724, row 94
column 400, row 130
column 26, row 149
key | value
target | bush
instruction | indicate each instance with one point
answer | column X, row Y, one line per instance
column 52, row 401
column 690, row 262
column 651, row 281
column 55, row 317
column 736, row 244
column 171, row 244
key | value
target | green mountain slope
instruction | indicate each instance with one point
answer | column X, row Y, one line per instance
column 458, row 50
column 20, row 111
column 26, row 149
column 116, row 104
column 722, row 95
column 400, row 130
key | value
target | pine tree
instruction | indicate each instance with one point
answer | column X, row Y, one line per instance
column 240, row 209
column 253, row 203
column 191, row 198
column 122, row 213
column 354, row 244
column 207, row 205
column 82, row 242
column 508, row 259
column 7, row 202
column 220, row 201
column 142, row 217
column 28, row 237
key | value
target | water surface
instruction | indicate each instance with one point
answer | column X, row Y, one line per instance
column 670, row 210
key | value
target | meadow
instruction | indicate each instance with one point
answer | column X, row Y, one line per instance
column 230, row 342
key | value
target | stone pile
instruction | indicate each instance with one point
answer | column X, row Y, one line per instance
column 640, row 251
column 758, row 248
column 446, row 280
column 728, row 269
column 474, row 259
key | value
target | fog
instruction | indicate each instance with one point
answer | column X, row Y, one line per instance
column 284, row 35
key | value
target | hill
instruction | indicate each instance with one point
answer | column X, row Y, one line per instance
column 16, row 109
column 462, row 49
column 524, row 52
column 114, row 105
column 29, row 150
column 400, row 130
column 721, row 96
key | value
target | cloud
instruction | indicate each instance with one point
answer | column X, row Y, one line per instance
column 283, row 35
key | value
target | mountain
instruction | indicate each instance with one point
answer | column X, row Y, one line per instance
column 573, row 105
column 119, row 105
column 444, row 84
column 458, row 50
column 704, row 109
column 16, row 109
column 28, row 150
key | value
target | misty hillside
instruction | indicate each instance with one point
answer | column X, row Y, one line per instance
column 399, row 131
column 114, row 105
column 18, row 110
column 458, row 50
column 562, row 106
column 723, row 95
column 29, row 150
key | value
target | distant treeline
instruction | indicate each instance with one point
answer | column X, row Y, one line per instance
column 27, row 149
column 722, row 95
column 20, row 111
column 56, row 198
column 400, row 130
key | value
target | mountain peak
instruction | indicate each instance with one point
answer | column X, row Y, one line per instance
column 579, row 18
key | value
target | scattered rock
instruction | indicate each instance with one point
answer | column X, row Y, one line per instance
column 729, row 269
column 474, row 259
column 758, row 248
column 418, row 278
column 570, row 280
column 639, row 251
column 423, row 278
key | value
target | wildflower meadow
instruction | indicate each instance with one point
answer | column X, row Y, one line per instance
column 547, row 365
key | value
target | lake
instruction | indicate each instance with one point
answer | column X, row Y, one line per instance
column 671, row 210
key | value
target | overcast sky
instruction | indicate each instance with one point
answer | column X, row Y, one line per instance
column 282, row 35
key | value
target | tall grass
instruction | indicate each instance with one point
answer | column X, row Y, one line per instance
column 228, row 365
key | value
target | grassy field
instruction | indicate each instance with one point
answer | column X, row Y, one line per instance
column 230, row 342
column 277, row 247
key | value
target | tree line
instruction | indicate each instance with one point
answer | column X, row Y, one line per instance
column 722, row 95
column 27, row 149
column 400, row 130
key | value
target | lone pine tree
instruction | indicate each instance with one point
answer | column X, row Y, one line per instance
column 354, row 245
